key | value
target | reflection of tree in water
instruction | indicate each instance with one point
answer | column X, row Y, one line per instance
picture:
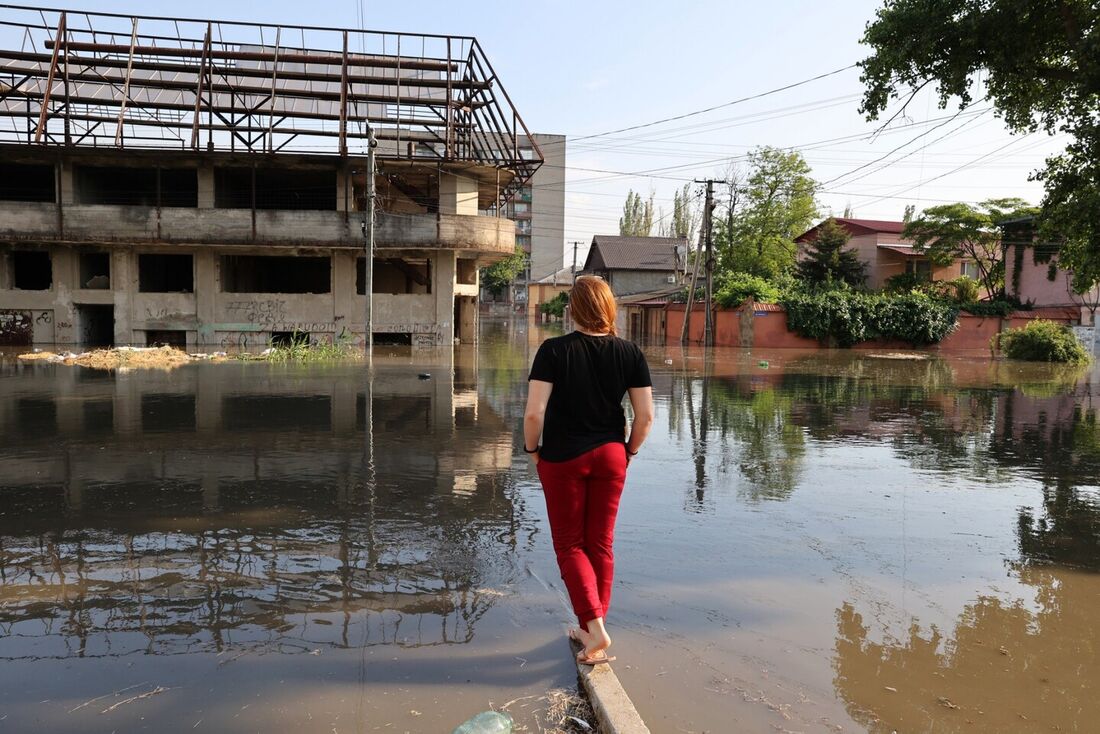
column 1004, row 667
column 753, row 425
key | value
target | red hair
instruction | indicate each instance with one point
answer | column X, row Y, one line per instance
column 592, row 304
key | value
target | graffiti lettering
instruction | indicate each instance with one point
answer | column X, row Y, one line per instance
column 258, row 312
column 64, row 325
column 46, row 317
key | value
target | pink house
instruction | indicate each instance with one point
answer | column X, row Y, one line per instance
column 1032, row 273
column 880, row 245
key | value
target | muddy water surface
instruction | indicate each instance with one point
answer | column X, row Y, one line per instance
column 832, row 542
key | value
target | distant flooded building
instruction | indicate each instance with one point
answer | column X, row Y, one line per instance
column 205, row 183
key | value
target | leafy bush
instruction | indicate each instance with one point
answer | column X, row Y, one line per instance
column 966, row 289
column 734, row 288
column 904, row 283
column 1042, row 341
column 998, row 309
column 850, row 317
column 556, row 305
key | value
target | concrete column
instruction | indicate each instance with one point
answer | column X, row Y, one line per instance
column 68, row 185
column 206, row 293
column 443, row 286
column 345, row 310
column 123, row 285
column 206, row 186
column 457, row 194
column 65, row 265
column 5, row 268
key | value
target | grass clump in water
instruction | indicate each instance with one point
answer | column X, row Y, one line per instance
column 1042, row 341
column 300, row 349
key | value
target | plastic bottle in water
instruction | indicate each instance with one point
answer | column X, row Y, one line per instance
column 487, row 722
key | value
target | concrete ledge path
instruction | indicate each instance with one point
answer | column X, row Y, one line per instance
column 613, row 708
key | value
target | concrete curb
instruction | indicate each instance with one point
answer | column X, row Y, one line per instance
column 613, row 708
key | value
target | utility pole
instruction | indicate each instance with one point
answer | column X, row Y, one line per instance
column 575, row 243
column 368, row 246
column 708, row 241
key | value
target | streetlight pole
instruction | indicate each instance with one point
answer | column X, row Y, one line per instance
column 368, row 246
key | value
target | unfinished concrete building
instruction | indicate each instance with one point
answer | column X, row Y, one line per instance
column 204, row 183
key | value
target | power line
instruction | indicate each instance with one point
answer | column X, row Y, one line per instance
column 705, row 110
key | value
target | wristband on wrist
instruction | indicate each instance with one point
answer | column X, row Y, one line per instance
column 530, row 451
column 632, row 453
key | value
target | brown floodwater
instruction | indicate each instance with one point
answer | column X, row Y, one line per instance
column 810, row 541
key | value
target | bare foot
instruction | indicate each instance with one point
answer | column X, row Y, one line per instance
column 595, row 641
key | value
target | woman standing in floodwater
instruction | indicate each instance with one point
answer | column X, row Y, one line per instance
column 574, row 401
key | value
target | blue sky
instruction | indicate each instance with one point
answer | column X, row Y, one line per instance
column 582, row 68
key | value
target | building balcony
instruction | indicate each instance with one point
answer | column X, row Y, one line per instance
column 109, row 224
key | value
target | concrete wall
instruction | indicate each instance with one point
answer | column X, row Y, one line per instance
column 626, row 282
column 1035, row 284
column 235, row 321
column 548, row 208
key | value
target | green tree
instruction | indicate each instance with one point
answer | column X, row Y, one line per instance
column 685, row 215
column 500, row 274
column 828, row 260
column 963, row 231
column 1039, row 64
column 637, row 219
column 775, row 205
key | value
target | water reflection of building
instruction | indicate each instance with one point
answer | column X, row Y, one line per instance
column 249, row 505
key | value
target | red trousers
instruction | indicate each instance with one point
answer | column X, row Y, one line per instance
column 582, row 500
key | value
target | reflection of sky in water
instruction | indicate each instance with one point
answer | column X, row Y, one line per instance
column 825, row 518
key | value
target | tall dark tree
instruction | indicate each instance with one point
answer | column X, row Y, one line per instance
column 1038, row 62
column 828, row 261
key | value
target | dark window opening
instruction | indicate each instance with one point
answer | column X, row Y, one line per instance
column 166, row 338
column 32, row 270
column 20, row 182
column 166, row 274
column 137, row 186
column 96, row 324
column 95, row 270
column 275, row 274
column 393, row 338
column 922, row 269
column 466, row 271
column 276, row 188
column 179, row 187
column 395, row 276
column 165, row 412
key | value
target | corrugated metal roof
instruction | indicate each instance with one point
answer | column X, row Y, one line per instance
column 635, row 253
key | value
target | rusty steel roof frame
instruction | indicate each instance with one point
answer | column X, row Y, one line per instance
column 70, row 77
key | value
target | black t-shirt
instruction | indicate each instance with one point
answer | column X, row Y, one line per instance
column 590, row 375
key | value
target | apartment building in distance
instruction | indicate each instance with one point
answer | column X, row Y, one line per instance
column 205, row 183
column 538, row 210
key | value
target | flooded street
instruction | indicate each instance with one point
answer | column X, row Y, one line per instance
column 809, row 541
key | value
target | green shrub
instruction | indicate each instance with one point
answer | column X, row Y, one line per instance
column 849, row 317
column 999, row 309
column 734, row 288
column 966, row 289
column 556, row 305
column 904, row 283
column 1042, row 341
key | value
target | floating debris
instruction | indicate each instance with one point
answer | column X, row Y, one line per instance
column 424, row 376
column 120, row 358
column 912, row 356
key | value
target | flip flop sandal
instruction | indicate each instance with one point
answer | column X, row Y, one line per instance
column 588, row 660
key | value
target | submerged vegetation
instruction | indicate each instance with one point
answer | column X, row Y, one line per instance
column 1042, row 341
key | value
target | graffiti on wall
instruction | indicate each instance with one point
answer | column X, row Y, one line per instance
column 258, row 312
column 16, row 328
